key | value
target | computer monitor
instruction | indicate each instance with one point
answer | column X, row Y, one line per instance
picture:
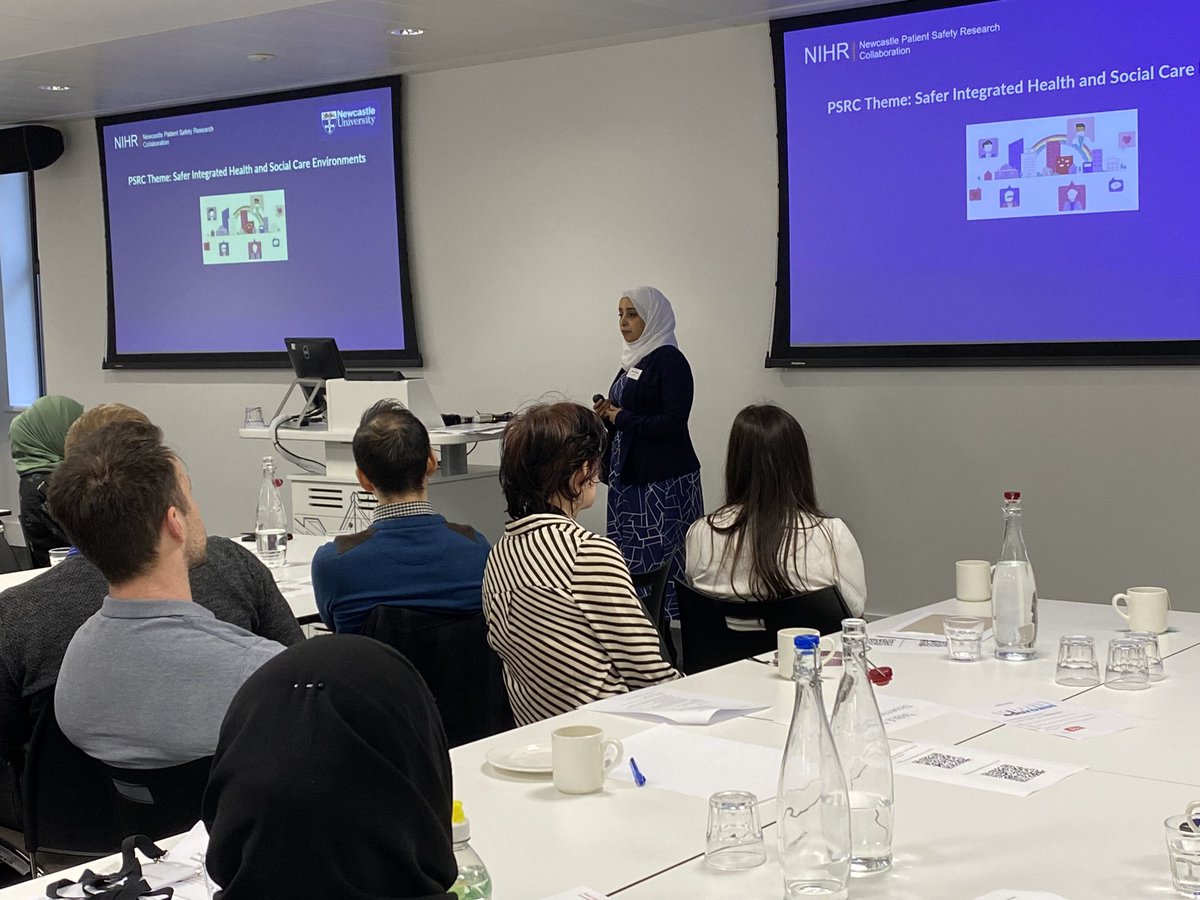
column 314, row 358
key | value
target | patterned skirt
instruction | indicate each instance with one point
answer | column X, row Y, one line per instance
column 648, row 522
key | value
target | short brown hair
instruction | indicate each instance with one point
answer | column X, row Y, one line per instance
column 543, row 447
column 96, row 418
column 391, row 447
column 111, row 493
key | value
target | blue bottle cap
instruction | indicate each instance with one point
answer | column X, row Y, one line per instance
column 807, row 641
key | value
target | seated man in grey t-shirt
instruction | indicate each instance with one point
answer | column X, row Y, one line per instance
column 146, row 681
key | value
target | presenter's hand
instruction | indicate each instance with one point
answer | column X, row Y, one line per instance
column 607, row 411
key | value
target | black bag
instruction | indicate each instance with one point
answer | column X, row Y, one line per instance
column 126, row 884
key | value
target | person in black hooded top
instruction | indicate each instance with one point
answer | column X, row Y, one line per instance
column 331, row 779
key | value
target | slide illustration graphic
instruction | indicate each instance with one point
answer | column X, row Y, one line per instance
column 1053, row 166
column 245, row 227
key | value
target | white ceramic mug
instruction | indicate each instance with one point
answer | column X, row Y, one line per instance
column 581, row 757
column 786, row 644
column 1147, row 608
column 973, row 580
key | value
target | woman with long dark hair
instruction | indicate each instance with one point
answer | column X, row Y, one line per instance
column 771, row 538
column 558, row 599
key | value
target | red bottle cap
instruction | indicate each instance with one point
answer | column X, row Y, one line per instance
column 1012, row 495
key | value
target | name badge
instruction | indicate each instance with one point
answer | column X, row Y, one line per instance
column 634, row 374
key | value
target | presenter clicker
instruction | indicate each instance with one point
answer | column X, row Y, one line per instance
column 652, row 470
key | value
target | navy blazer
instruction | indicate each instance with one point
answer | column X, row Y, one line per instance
column 653, row 421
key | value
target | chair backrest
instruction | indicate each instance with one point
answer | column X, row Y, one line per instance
column 66, row 807
column 452, row 654
column 655, row 581
column 157, row 802
column 708, row 641
column 8, row 556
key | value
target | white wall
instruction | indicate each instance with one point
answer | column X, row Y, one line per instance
column 538, row 189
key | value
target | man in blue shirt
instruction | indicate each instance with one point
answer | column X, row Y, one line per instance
column 410, row 556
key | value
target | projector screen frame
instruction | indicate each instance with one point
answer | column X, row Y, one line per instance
column 783, row 354
column 407, row 357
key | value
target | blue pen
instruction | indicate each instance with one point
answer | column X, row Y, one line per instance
column 638, row 778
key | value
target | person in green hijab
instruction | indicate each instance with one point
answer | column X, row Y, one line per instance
column 36, row 437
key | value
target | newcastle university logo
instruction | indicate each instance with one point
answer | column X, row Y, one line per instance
column 349, row 122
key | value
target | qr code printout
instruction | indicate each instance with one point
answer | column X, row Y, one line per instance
column 1019, row 774
column 942, row 760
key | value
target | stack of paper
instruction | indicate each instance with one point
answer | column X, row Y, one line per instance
column 665, row 704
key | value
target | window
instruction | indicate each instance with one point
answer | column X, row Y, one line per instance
column 22, row 373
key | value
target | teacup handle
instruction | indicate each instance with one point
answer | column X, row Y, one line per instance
column 826, row 648
column 1116, row 602
column 1192, row 816
column 613, row 748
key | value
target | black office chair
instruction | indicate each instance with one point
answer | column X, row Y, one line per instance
column 708, row 641
column 8, row 557
column 157, row 802
column 66, row 806
column 654, row 583
column 463, row 672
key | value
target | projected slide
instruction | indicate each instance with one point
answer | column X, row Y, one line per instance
column 292, row 200
column 1014, row 172
column 238, row 228
column 1057, row 165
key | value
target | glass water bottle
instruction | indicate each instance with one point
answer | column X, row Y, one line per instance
column 862, row 747
column 814, row 811
column 270, row 520
column 1014, row 593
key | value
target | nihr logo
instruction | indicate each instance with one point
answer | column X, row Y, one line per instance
column 124, row 141
column 821, row 53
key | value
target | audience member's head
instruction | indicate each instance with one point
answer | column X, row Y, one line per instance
column 124, row 499
column 331, row 779
column 769, row 486
column 550, row 459
column 36, row 436
column 391, row 451
column 97, row 417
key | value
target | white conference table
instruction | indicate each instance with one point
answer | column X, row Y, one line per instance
column 1095, row 835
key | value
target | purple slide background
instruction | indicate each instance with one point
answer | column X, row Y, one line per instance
column 342, row 275
column 881, row 251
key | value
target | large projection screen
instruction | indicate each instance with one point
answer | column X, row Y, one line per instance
column 230, row 225
column 989, row 183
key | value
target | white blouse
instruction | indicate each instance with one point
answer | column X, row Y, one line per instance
column 830, row 555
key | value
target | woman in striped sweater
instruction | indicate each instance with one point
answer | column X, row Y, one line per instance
column 560, row 606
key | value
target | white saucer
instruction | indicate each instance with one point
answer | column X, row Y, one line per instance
column 528, row 758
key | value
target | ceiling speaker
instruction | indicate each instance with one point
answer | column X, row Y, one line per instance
column 28, row 147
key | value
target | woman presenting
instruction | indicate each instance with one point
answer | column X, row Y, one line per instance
column 653, row 473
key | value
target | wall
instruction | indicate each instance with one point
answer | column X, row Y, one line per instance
column 538, row 189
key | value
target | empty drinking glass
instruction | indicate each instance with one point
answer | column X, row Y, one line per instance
column 1154, row 660
column 253, row 418
column 735, row 838
column 964, row 637
column 1077, row 666
column 1183, row 849
column 1127, row 668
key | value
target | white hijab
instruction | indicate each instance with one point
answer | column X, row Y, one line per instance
column 656, row 312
